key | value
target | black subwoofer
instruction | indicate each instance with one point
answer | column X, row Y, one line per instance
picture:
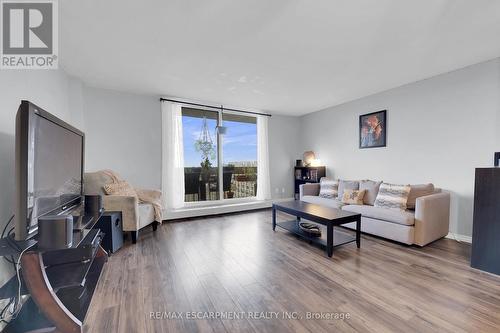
column 110, row 224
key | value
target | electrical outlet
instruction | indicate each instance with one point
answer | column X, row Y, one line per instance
column 283, row 190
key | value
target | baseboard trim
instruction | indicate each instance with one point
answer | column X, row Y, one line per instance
column 460, row 238
column 219, row 209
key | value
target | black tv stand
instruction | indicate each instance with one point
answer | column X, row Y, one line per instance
column 60, row 283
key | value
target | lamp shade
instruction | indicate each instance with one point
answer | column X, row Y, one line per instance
column 316, row 162
column 308, row 157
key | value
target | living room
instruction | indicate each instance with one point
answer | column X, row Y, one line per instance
column 250, row 166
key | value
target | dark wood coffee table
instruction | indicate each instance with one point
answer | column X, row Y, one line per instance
column 329, row 217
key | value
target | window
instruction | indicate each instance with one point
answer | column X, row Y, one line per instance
column 239, row 146
column 205, row 151
column 200, row 155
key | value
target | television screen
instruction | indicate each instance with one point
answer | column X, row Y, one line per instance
column 56, row 169
column 49, row 167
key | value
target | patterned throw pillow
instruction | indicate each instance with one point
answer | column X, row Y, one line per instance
column 120, row 188
column 392, row 196
column 328, row 188
column 353, row 197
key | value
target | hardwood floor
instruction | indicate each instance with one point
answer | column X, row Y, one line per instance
column 236, row 263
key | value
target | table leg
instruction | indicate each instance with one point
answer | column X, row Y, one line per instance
column 329, row 240
column 274, row 218
column 358, row 232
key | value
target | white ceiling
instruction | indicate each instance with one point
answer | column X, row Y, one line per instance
column 283, row 56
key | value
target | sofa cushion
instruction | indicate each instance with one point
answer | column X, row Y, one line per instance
column 347, row 184
column 392, row 196
column 332, row 203
column 328, row 188
column 353, row 196
column 397, row 232
column 371, row 190
column 384, row 214
column 417, row 191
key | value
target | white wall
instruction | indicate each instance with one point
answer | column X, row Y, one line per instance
column 284, row 147
column 48, row 89
column 123, row 133
column 439, row 130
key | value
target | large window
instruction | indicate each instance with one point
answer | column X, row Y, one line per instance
column 200, row 155
column 210, row 156
column 239, row 146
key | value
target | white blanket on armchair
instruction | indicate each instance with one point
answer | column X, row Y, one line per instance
column 152, row 197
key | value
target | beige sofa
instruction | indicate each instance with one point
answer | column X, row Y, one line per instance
column 135, row 215
column 427, row 223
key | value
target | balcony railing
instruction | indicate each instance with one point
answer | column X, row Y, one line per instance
column 238, row 182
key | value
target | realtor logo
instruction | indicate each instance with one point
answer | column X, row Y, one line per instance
column 29, row 34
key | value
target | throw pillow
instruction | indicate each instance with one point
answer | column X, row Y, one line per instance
column 371, row 190
column 392, row 196
column 347, row 184
column 418, row 191
column 120, row 188
column 328, row 188
column 353, row 197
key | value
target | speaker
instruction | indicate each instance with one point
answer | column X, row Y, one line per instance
column 110, row 224
column 55, row 232
column 93, row 204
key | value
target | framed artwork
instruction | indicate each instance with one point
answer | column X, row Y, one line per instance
column 373, row 129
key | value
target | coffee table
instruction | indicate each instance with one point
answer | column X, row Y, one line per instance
column 329, row 217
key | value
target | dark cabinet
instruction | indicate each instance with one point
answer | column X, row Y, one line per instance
column 304, row 175
column 486, row 229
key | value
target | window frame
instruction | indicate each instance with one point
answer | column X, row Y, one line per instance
column 220, row 166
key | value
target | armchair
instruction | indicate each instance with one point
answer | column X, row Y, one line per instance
column 135, row 214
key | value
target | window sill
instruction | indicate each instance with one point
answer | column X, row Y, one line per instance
column 212, row 203
column 219, row 207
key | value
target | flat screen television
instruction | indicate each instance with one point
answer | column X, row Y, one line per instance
column 49, row 167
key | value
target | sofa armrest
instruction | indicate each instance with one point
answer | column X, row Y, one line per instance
column 154, row 194
column 128, row 205
column 432, row 217
column 308, row 189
